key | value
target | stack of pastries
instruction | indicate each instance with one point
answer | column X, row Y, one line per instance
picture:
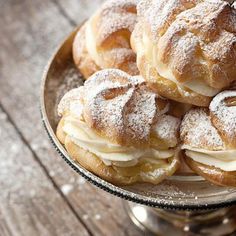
column 159, row 92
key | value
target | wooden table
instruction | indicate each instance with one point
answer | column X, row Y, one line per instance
column 40, row 194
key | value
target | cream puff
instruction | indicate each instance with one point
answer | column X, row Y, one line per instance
column 209, row 139
column 119, row 129
column 104, row 40
column 186, row 50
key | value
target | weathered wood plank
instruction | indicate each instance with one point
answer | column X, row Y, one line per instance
column 77, row 11
column 27, row 44
column 29, row 203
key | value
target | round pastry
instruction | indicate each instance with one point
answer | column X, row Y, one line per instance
column 209, row 139
column 186, row 50
column 117, row 128
column 104, row 40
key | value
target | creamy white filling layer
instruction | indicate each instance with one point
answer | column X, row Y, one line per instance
column 151, row 53
column 223, row 159
column 108, row 152
column 91, row 40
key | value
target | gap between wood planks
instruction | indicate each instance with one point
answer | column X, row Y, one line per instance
column 45, row 170
column 64, row 13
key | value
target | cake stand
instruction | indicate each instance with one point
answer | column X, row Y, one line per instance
column 184, row 204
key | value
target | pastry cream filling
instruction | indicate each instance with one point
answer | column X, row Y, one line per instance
column 223, row 159
column 151, row 52
column 91, row 40
column 110, row 153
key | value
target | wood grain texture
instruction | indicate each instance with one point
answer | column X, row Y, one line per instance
column 30, row 205
column 32, row 30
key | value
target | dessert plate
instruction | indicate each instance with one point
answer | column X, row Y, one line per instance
column 179, row 192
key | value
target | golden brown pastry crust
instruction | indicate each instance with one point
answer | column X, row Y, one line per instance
column 112, row 25
column 213, row 128
column 161, row 85
column 212, row 174
column 195, row 40
column 223, row 116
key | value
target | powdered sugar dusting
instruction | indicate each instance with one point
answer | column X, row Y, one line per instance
column 167, row 128
column 159, row 14
column 225, row 114
column 116, row 15
column 191, row 33
column 120, row 105
column 71, row 101
column 140, row 112
column 198, row 131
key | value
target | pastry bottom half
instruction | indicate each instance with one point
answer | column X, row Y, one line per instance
column 212, row 174
column 143, row 171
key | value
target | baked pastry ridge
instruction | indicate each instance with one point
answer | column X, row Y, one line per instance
column 116, row 127
column 186, row 50
column 209, row 139
column 104, row 40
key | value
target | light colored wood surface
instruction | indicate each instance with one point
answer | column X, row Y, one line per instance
column 40, row 194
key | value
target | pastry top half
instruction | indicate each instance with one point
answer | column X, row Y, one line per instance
column 104, row 39
column 190, row 43
column 122, row 109
column 209, row 135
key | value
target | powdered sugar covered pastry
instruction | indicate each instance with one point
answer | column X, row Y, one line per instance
column 209, row 139
column 186, row 49
column 104, row 40
column 118, row 128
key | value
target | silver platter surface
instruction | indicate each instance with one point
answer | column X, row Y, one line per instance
column 179, row 192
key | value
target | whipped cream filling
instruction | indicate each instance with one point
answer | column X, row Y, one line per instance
column 91, row 40
column 151, row 53
column 223, row 159
column 110, row 153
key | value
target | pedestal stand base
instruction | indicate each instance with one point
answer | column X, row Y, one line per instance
column 179, row 223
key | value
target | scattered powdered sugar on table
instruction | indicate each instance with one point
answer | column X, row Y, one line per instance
column 66, row 188
column 97, row 217
column 81, row 180
column 85, row 217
